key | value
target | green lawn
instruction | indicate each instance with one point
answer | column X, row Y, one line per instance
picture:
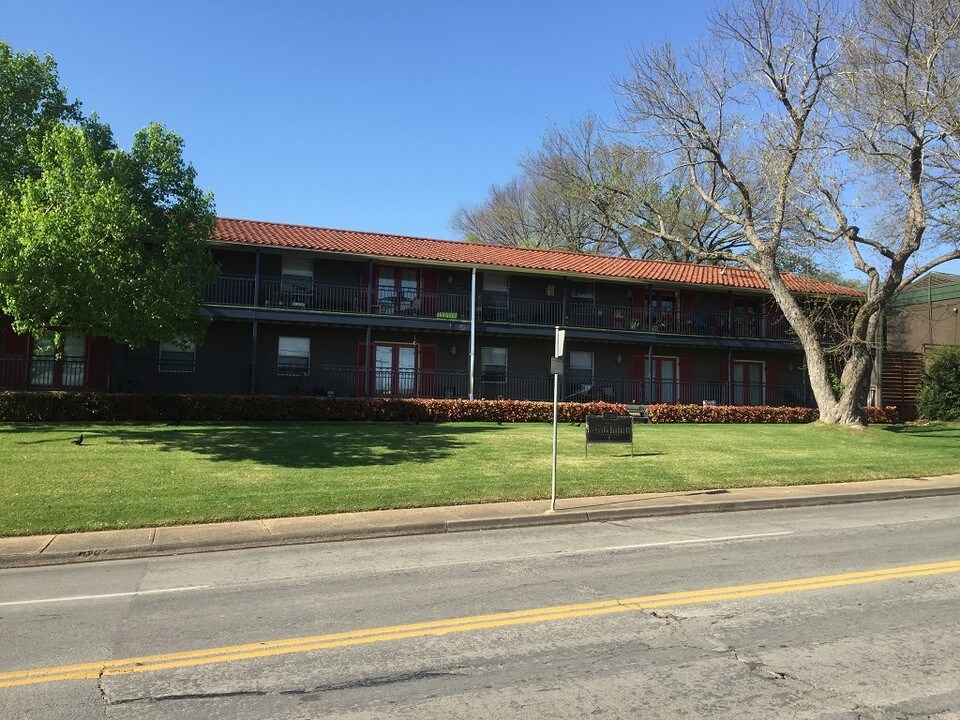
column 130, row 475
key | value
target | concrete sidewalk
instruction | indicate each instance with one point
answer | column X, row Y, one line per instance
column 148, row 542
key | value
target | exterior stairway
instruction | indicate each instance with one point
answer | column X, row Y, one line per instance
column 638, row 413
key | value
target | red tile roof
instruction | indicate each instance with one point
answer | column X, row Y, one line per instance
column 398, row 247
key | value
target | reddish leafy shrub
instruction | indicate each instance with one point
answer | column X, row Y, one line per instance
column 66, row 406
column 730, row 414
column 113, row 407
column 752, row 414
column 883, row 415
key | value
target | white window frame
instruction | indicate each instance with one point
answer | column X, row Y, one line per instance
column 296, row 266
column 582, row 354
column 583, row 291
column 494, row 282
column 177, row 364
column 297, row 348
column 296, row 279
column 42, row 360
column 580, row 373
column 497, row 368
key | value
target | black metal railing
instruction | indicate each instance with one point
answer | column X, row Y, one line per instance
column 158, row 376
column 45, row 372
column 305, row 295
column 288, row 294
column 678, row 322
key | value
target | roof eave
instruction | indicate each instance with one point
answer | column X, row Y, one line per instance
column 560, row 274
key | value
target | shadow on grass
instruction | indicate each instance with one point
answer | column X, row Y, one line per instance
column 934, row 430
column 294, row 445
column 622, row 455
column 312, row 446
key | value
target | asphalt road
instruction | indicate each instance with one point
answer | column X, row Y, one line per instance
column 837, row 612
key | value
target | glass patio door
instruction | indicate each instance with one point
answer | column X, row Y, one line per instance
column 665, row 380
column 397, row 290
column 747, row 383
column 46, row 370
column 74, row 360
column 663, row 312
column 43, row 360
column 396, row 370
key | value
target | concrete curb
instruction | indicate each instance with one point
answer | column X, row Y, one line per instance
column 110, row 545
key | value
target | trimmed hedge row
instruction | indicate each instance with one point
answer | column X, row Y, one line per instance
column 114, row 407
column 752, row 414
column 730, row 414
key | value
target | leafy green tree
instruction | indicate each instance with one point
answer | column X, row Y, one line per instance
column 95, row 238
column 32, row 102
column 939, row 394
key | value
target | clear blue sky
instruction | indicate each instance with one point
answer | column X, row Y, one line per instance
column 366, row 115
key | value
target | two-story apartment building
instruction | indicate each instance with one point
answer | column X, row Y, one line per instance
column 303, row 310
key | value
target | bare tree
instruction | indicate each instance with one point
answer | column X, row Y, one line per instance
column 586, row 192
column 803, row 123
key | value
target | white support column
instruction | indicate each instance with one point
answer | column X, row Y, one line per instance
column 473, row 327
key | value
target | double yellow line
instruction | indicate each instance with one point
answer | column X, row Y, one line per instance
column 193, row 658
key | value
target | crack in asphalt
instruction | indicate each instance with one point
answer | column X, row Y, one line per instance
column 668, row 616
column 306, row 694
column 103, row 692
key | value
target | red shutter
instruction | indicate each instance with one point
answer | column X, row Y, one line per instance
column 14, row 344
column 725, row 389
column 687, row 392
column 98, row 363
column 430, row 289
column 363, row 373
column 15, row 364
column 362, row 303
column 773, row 396
column 428, row 371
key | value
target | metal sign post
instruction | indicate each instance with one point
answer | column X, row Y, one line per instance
column 556, row 367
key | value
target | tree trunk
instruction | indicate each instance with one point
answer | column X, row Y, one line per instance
column 848, row 408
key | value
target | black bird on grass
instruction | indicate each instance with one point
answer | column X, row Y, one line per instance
column 78, row 441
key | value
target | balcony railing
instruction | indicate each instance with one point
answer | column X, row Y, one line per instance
column 49, row 373
column 153, row 376
column 284, row 293
column 352, row 381
column 678, row 322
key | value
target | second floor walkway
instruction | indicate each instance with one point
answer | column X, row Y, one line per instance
column 490, row 308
